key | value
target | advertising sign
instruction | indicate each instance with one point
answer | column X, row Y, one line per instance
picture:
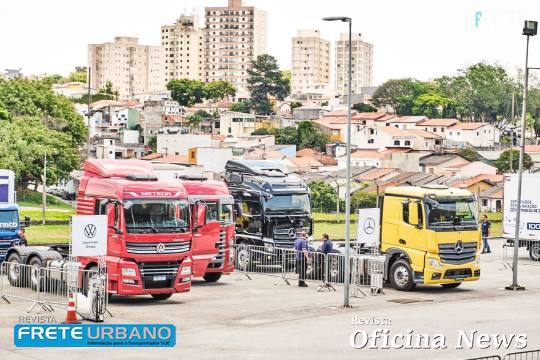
column 530, row 206
column 89, row 235
column 368, row 227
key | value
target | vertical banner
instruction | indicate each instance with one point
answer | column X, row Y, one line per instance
column 368, row 227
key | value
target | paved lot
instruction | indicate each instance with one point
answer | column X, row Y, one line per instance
column 257, row 319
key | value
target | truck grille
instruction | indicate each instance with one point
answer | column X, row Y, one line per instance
column 449, row 255
column 157, row 275
column 159, row 248
column 218, row 260
column 282, row 238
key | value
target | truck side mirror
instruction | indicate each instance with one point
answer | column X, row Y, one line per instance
column 26, row 222
column 237, row 210
column 234, row 178
column 112, row 221
column 413, row 214
column 200, row 215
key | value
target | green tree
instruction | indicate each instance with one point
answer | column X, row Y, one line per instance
column 362, row 199
column 194, row 121
column 295, row 104
column 79, row 75
column 310, row 137
column 240, row 107
column 219, row 90
column 323, row 196
column 54, row 79
column 108, row 89
column 263, row 131
column 24, row 141
column 24, row 97
column 399, row 94
column 503, row 162
column 265, row 79
column 363, row 107
column 470, row 154
column 187, row 92
column 203, row 113
column 152, row 142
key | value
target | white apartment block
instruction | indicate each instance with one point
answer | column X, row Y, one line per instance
column 132, row 68
column 362, row 64
column 183, row 44
column 234, row 36
column 310, row 61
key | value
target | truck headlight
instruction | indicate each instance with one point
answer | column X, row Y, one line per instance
column 186, row 270
column 129, row 272
column 434, row 263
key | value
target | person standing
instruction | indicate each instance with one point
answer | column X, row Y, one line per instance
column 486, row 227
column 302, row 258
column 327, row 245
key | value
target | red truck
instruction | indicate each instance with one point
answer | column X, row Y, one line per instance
column 150, row 230
column 213, row 243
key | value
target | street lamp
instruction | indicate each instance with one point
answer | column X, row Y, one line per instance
column 530, row 29
column 348, row 182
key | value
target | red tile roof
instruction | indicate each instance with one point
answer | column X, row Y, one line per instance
column 307, row 153
column 490, row 178
column 152, row 156
column 469, row 125
column 374, row 174
column 368, row 116
column 424, row 134
column 438, row 122
column 532, row 148
column 395, row 131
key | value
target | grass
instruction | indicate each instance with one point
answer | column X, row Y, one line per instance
column 331, row 217
column 33, row 199
column 49, row 214
column 46, row 234
column 335, row 231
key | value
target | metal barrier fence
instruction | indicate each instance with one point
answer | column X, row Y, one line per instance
column 494, row 357
column 523, row 355
column 529, row 250
column 47, row 288
column 367, row 271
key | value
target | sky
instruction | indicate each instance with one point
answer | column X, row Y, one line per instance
column 422, row 39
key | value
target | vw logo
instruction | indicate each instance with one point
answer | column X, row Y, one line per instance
column 90, row 231
column 160, row 248
column 458, row 247
column 369, row 226
column 292, row 233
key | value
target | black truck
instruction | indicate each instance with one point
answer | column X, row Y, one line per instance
column 272, row 206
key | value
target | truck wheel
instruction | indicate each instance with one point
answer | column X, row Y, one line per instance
column 212, row 277
column 36, row 273
column 16, row 272
column 451, row 286
column 401, row 276
column 534, row 251
column 89, row 273
column 161, row 297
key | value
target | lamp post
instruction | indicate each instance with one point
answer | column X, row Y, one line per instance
column 530, row 29
column 348, row 182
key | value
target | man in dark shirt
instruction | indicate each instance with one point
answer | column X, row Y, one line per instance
column 327, row 245
column 486, row 226
column 302, row 258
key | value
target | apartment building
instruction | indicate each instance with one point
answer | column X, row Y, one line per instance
column 132, row 68
column 362, row 64
column 234, row 36
column 183, row 44
column 310, row 61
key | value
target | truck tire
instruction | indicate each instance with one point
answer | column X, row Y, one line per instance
column 161, row 297
column 36, row 273
column 16, row 272
column 212, row 277
column 91, row 271
column 534, row 251
column 451, row 286
column 401, row 276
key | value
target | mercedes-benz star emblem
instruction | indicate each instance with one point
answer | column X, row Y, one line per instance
column 458, row 247
column 369, row 226
column 292, row 233
column 160, row 248
column 90, row 231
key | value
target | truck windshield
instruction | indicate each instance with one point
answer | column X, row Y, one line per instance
column 219, row 212
column 157, row 216
column 288, row 203
column 9, row 220
column 450, row 215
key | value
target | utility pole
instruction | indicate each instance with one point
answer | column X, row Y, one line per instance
column 44, row 189
column 88, row 117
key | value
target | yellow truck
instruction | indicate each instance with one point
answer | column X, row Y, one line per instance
column 430, row 235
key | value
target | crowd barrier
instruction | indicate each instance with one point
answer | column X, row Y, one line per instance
column 366, row 270
column 47, row 288
column 521, row 355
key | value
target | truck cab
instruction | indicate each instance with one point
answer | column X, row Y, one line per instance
column 272, row 205
column 430, row 235
column 213, row 243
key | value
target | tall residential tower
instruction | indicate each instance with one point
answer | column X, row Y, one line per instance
column 362, row 64
column 310, row 61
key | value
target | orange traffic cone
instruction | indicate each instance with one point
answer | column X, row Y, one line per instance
column 71, row 317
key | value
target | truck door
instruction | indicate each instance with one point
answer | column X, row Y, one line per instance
column 205, row 239
column 411, row 232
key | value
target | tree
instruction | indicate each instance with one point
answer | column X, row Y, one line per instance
column 24, row 141
column 470, row 154
column 219, row 90
column 240, row 107
column 193, row 121
column 295, row 104
column 265, row 79
column 79, row 75
column 310, row 137
column 431, row 103
column 203, row 113
column 323, row 196
column 54, row 79
column 24, row 97
column 109, row 90
column 363, row 107
column 399, row 94
column 362, row 199
column 152, row 142
column 187, row 92
column 503, row 162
